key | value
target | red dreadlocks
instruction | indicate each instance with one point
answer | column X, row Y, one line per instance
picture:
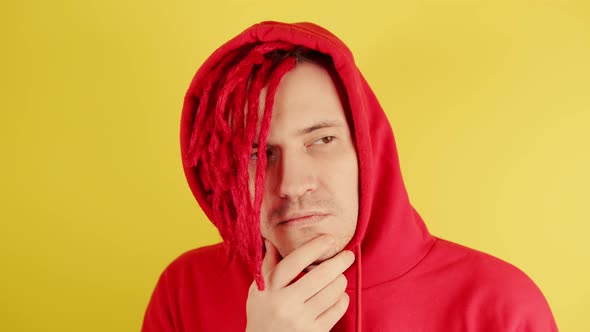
column 222, row 137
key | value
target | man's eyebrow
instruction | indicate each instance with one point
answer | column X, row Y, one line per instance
column 318, row 126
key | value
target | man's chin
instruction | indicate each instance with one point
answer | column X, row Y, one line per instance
column 320, row 261
column 331, row 252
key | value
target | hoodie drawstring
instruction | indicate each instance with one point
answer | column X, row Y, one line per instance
column 359, row 292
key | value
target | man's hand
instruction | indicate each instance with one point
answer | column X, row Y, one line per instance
column 313, row 303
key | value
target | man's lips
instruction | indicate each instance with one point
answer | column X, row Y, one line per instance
column 303, row 218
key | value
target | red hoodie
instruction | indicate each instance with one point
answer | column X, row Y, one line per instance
column 403, row 279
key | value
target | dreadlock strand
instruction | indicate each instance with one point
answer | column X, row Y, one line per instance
column 243, row 201
column 203, row 94
column 227, row 106
column 222, row 151
column 280, row 70
column 206, row 144
column 234, row 77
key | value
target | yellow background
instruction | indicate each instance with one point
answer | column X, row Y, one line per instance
column 490, row 103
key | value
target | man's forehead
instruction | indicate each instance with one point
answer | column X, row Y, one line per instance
column 307, row 87
column 307, row 99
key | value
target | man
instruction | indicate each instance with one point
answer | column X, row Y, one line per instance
column 290, row 155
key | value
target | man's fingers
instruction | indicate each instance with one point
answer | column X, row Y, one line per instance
column 328, row 296
column 330, row 317
column 316, row 279
column 269, row 262
column 290, row 267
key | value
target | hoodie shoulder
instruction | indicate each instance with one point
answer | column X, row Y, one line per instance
column 210, row 256
column 195, row 290
column 497, row 292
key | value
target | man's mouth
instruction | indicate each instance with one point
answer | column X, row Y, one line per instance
column 302, row 218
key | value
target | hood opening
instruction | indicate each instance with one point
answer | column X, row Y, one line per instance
column 390, row 234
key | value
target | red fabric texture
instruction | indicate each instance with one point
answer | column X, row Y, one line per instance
column 404, row 279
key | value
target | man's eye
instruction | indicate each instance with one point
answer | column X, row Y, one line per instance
column 254, row 155
column 324, row 140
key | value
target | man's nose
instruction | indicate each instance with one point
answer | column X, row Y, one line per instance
column 297, row 175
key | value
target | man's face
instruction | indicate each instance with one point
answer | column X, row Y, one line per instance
column 311, row 183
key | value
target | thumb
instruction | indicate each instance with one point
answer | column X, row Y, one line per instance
column 270, row 261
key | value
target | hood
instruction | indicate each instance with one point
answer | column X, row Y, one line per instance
column 390, row 237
